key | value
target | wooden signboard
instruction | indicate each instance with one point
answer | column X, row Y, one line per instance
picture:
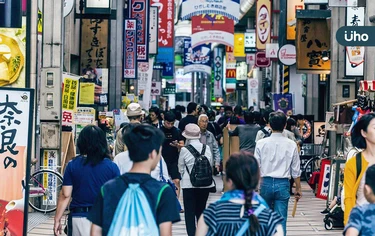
column 231, row 145
column 68, row 150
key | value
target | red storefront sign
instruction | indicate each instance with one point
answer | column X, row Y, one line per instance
column 166, row 21
column 140, row 10
column 261, row 60
column 130, row 57
column 209, row 28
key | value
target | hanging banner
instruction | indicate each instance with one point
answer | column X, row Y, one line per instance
column 241, row 70
column 229, row 55
column 130, row 58
column 94, row 43
column 165, row 57
column 239, row 45
column 355, row 56
column 313, row 38
column 218, row 72
column 144, row 81
column 197, row 59
column 228, row 8
column 292, row 7
column 140, row 11
column 166, row 22
column 283, row 102
column 183, row 81
column 263, row 23
column 212, row 28
column 69, row 98
column 253, row 93
column 154, row 22
column 250, row 42
column 16, row 114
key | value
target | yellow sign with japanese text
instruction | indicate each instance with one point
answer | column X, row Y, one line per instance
column 239, row 45
column 293, row 6
column 264, row 22
column 86, row 93
column 70, row 92
column 313, row 41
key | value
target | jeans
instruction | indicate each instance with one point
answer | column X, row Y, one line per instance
column 195, row 200
column 275, row 192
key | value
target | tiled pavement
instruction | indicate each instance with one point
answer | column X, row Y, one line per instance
column 308, row 220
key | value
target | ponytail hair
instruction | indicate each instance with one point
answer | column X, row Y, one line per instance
column 243, row 169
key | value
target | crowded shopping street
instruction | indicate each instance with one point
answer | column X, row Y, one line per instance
column 187, row 117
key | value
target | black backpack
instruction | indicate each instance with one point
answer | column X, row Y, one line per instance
column 201, row 173
column 266, row 133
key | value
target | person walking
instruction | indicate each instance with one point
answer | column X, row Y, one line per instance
column 278, row 160
column 154, row 117
column 246, row 133
column 195, row 198
column 240, row 204
column 136, row 192
column 363, row 137
column 193, row 110
column 83, row 178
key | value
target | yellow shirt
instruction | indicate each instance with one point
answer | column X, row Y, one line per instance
column 351, row 184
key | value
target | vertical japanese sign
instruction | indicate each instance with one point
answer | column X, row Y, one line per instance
column 230, row 71
column 264, row 22
column 144, row 81
column 49, row 180
column 69, row 98
column 140, row 11
column 355, row 56
column 94, row 45
column 293, row 6
column 197, row 59
column 130, row 49
column 16, row 112
column 153, row 40
column 210, row 28
column 250, row 42
column 218, row 72
column 313, row 38
column 239, row 45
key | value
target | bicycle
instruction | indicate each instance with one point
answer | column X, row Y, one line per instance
column 44, row 187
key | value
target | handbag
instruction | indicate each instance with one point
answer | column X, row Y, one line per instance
column 171, row 184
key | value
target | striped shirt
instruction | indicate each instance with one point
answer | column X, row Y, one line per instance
column 224, row 218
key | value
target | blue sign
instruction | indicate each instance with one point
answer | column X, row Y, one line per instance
column 165, row 57
column 197, row 59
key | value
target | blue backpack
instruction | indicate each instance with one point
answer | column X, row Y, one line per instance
column 133, row 215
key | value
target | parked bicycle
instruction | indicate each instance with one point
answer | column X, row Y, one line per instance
column 44, row 188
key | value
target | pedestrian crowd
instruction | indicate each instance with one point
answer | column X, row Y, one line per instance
column 160, row 155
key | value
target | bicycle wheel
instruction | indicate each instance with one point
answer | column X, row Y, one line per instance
column 309, row 168
column 45, row 186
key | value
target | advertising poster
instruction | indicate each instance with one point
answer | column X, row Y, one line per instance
column 165, row 57
column 227, row 8
column 239, row 45
column 283, row 102
column 98, row 77
column 130, row 57
column 263, row 23
column 84, row 116
column 153, row 41
column 197, row 59
column 50, row 181
column 144, row 81
column 212, row 28
column 94, row 45
column 324, row 179
column 218, row 72
column 253, row 94
column 319, row 132
column 250, row 41
column 355, row 56
column 292, row 7
column 16, row 110
column 12, row 56
column 69, row 98
column 313, row 38
column 183, row 81
column 140, row 11
column 86, row 93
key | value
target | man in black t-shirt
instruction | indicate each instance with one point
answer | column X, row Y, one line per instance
column 144, row 144
column 171, row 148
column 193, row 110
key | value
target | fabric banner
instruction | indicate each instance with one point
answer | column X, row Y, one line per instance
column 292, row 7
column 283, row 102
column 144, row 81
column 16, row 115
column 166, row 22
column 218, row 72
column 263, row 23
column 130, row 58
column 153, row 41
column 140, row 11
column 69, row 98
column 228, row 8
column 212, row 28
column 197, row 59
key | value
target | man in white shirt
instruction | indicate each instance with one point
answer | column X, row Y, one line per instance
column 278, row 161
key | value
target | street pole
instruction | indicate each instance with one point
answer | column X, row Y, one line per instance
column 370, row 51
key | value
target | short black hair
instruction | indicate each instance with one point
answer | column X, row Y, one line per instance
column 266, row 115
column 211, row 114
column 177, row 108
column 178, row 115
column 238, row 110
column 191, row 107
column 277, row 121
column 170, row 116
column 92, row 142
column 370, row 177
column 206, row 109
column 257, row 116
column 141, row 140
column 289, row 123
column 358, row 140
column 155, row 110
column 228, row 108
column 249, row 117
column 300, row 117
column 182, row 109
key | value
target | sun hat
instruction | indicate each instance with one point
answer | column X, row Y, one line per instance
column 192, row 131
column 133, row 109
